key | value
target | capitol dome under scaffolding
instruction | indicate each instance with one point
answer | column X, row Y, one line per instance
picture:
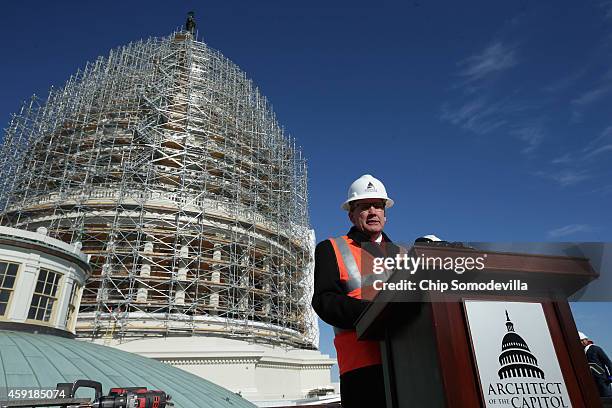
column 167, row 164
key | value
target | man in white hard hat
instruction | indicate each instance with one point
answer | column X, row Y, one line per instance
column 337, row 292
column 599, row 363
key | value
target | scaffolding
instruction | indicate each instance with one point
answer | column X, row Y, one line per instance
column 169, row 167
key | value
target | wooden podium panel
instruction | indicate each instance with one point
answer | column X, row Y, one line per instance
column 428, row 355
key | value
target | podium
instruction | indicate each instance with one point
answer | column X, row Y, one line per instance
column 466, row 349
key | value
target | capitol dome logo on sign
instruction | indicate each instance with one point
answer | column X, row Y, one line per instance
column 516, row 359
column 515, row 356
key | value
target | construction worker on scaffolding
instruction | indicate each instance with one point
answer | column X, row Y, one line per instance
column 337, row 295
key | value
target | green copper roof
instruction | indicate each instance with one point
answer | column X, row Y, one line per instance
column 38, row 360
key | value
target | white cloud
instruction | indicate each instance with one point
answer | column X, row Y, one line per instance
column 464, row 112
column 480, row 115
column 570, row 177
column 531, row 135
column 477, row 111
column 605, row 190
column 599, row 150
column 565, row 177
column 569, row 230
column 494, row 58
column 600, row 144
column 565, row 82
column 567, row 158
column 577, row 162
column 587, row 98
column 591, row 96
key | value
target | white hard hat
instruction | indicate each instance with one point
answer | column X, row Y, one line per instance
column 431, row 238
column 364, row 187
column 582, row 336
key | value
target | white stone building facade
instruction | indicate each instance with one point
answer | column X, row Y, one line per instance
column 261, row 373
column 41, row 280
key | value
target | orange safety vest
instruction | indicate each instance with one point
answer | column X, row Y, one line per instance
column 352, row 353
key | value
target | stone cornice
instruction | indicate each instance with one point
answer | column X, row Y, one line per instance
column 263, row 363
column 208, row 361
column 295, row 366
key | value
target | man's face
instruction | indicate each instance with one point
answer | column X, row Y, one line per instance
column 368, row 215
column 584, row 342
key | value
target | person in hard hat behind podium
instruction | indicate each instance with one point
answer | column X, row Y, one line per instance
column 337, row 292
column 599, row 363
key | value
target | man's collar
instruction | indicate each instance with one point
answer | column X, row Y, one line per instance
column 359, row 236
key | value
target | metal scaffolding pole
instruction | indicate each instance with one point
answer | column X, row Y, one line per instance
column 168, row 165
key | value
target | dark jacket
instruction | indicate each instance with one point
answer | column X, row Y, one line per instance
column 600, row 364
column 330, row 300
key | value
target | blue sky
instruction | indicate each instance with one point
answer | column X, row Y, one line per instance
column 487, row 121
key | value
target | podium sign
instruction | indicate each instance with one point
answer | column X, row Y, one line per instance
column 515, row 357
column 461, row 350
